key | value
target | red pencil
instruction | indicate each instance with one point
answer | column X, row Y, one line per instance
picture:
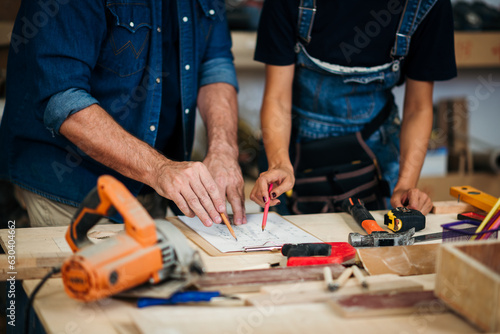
column 266, row 208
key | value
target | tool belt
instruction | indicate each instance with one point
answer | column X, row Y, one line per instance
column 327, row 171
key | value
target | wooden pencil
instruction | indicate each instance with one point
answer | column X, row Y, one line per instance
column 228, row 224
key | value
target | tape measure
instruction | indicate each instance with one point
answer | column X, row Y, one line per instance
column 403, row 219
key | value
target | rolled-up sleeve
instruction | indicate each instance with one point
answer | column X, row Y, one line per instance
column 218, row 70
column 64, row 104
column 64, row 53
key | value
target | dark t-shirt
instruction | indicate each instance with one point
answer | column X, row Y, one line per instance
column 359, row 33
column 167, row 140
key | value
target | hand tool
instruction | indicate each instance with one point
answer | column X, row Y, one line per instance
column 146, row 251
column 264, row 248
column 266, row 208
column 474, row 197
column 228, row 224
column 402, row 219
column 308, row 254
column 179, row 298
column 376, row 235
column 470, row 216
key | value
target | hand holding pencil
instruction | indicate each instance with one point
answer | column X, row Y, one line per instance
column 281, row 178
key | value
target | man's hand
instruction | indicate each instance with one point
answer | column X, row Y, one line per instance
column 282, row 177
column 412, row 199
column 227, row 175
column 191, row 186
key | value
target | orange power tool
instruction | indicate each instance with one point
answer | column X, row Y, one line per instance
column 146, row 251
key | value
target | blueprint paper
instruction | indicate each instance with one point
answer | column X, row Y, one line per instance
column 278, row 232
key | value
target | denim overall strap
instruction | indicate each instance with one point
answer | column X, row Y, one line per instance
column 307, row 11
column 413, row 14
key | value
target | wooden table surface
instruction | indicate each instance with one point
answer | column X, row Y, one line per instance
column 60, row 314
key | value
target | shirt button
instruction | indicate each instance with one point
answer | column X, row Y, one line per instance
column 211, row 12
column 186, row 111
column 158, row 80
column 152, row 128
column 132, row 24
column 185, row 19
column 158, row 29
column 187, row 67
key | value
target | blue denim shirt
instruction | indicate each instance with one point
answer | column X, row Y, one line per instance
column 66, row 55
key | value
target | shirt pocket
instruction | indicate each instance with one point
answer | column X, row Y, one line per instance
column 207, row 16
column 126, row 48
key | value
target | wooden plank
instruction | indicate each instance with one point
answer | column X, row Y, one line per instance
column 452, row 207
column 477, row 48
column 284, row 295
column 253, row 280
column 387, row 304
column 37, row 250
column 28, row 267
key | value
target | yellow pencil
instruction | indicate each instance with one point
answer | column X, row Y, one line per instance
column 487, row 218
column 228, row 224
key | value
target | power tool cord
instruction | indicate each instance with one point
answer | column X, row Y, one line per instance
column 53, row 271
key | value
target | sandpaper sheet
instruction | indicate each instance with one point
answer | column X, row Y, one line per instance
column 400, row 260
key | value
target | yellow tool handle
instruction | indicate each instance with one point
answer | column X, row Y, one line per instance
column 474, row 197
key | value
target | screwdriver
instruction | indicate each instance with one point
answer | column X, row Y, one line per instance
column 179, row 298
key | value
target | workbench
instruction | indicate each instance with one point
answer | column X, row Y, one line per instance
column 60, row 314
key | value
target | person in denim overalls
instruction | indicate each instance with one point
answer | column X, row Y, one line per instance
column 329, row 100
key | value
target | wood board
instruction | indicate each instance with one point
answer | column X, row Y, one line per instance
column 283, row 295
column 452, row 207
column 37, row 249
column 387, row 304
column 253, row 280
column 468, row 280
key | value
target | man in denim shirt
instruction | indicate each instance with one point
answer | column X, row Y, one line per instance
column 111, row 87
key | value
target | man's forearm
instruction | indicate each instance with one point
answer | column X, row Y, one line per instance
column 104, row 140
column 218, row 107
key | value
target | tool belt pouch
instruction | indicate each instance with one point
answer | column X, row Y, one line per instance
column 327, row 171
